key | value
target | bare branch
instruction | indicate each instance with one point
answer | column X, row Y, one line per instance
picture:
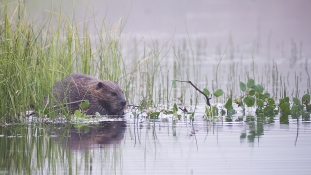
column 195, row 87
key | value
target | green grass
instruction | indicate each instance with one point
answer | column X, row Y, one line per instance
column 36, row 54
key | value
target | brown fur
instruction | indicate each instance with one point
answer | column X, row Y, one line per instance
column 105, row 97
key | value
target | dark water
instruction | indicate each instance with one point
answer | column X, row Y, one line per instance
column 139, row 146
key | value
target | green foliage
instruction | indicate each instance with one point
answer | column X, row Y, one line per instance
column 269, row 111
column 206, row 91
column 228, row 105
column 267, row 95
column 259, row 89
column 211, row 111
column 154, row 115
column 306, row 99
column 296, row 101
column 173, row 84
column 34, row 56
column 249, row 101
column 175, row 108
column 251, row 92
column 81, row 115
column 284, row 106
column 250, row 83
column 218, row 93
column 84, row 104
column 242, row 86
column 271, row 101
column 260, row 103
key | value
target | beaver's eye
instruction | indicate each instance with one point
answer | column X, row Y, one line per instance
column 114, row 94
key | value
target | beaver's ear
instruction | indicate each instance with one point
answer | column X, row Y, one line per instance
column 99, row 85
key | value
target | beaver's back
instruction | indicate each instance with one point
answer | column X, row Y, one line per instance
column 105, row 97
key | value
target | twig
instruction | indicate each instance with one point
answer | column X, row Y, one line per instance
column 206, row 97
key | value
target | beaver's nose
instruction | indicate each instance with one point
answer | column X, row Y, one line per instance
column 123, row 103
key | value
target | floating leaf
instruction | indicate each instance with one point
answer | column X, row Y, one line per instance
column 228, row 105
column 296, row 101
column 218, row 93
column 249, row 101
column 242, row 86
column 84, row 104
column 250, row 83
column 206, row 91
column 306, row 99
column 271, row 101
column 251, row 92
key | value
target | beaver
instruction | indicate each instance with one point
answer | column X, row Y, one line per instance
column 105, row 97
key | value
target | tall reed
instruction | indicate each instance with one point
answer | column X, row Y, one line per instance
column 33, row 56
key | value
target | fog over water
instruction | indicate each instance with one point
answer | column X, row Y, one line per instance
column 245, row 20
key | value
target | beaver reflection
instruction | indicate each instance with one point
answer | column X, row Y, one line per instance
column 94, row 136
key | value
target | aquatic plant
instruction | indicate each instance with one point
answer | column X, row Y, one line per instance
column 33, row 56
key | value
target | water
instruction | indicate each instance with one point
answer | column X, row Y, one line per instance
column 158, row 148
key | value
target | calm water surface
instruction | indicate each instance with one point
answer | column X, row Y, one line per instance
column 142, row 147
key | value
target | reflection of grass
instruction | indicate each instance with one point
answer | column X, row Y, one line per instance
column 30, row 149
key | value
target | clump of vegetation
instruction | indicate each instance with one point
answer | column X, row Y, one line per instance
column 34, row 56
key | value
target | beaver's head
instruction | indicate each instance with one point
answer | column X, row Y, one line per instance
column 110, row 98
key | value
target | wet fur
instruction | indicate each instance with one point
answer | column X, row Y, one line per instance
column 105, row 97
